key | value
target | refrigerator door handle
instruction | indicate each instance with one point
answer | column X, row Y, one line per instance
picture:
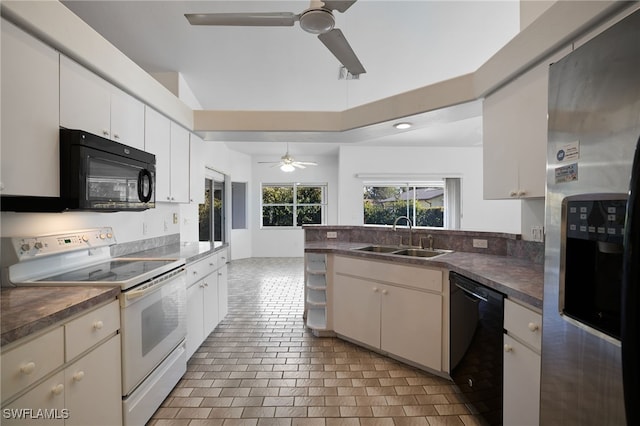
column 630, row 326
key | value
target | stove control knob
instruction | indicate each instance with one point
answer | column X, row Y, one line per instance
column 38, row 245
column 85, row 238
column 109, row 235
column 25, row 247
column 103, row 236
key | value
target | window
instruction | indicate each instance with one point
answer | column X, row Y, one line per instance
column 238, row 205
column 293, row 204
column 425, row 203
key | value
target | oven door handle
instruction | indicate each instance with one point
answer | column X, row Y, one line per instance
column 151, row 287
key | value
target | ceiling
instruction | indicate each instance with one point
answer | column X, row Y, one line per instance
column 402, row 44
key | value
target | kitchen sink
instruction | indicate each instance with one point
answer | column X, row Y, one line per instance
column 415, row 252
column 412, row 252
column 378, row 249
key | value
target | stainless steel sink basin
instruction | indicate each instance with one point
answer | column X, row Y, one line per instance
column 421, row 252
column 413, row 252
column 378, row 249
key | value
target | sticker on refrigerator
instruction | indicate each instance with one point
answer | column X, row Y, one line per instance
column 567, row 173
column 568, row 152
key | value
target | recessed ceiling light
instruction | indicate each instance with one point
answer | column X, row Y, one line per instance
column 402, row 126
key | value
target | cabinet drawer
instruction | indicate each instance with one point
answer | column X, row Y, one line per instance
column 223, row 258
column 420, row 278
column 31, row 361
column 200, row 269
column 91, row 328
column 523, row 323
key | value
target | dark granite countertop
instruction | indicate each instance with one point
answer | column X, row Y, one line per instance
column 27, row 310
column 516, row 278
column 191, row 252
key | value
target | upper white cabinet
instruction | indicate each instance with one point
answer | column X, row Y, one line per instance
column 89, row 103
column 514, row 121
column 170, row 144
column 29, row 115
column 196, row 169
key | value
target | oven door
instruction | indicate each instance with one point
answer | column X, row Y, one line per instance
column 153, row 324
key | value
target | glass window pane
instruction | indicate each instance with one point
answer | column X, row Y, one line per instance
column 383, row 204
column 429, row 206
column 309, row 215
column 277, row 216
column 277, row 194
column 309, row 195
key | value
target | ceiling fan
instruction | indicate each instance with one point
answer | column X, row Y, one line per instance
column 317, row 19
column 288, row 164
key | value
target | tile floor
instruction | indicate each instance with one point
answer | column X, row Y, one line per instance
column 261, row 366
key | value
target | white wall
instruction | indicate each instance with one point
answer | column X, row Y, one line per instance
column 466, row 163
column 288, row 242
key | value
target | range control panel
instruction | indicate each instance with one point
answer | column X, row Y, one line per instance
column 29, row 247
column 595, row 219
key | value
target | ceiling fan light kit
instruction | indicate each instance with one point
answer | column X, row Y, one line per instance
column 317, row 19
column 287, row 168
column 288, row 164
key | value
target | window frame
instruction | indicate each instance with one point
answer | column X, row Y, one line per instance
column 294, row 205
column 451, row 196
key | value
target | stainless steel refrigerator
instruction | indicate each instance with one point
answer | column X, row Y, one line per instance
column 590, row 354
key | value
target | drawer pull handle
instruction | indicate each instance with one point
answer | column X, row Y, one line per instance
column 533, row 326
column 384, row 292
column 508, row 348
column 28, row 368
column 206, row 284
column 210, row 263
column 375, row 289
column 78, row 376
column 98, row 325
column 57, row 389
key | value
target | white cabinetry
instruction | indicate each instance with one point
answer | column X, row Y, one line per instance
column 170, row 144
column 400, row 309
column 30, row 102
column 207, row 297
column 514, row 127
column 196, row 169
column 316, row 293
column 79, row 385
column 89, row 103
column 521, row 364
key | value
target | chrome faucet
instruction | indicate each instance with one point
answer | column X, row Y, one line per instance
column 395, row 222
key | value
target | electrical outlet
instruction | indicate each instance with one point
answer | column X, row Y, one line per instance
column 478, row 243
column 144, row 228
column 537, row 234
column 175, row 218
column 332, row 234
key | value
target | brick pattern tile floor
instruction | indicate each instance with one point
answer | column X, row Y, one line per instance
column 261, row 367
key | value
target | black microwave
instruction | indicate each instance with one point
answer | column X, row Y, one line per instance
column 99, row 174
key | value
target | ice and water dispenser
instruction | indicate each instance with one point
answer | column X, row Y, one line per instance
column 591, row 261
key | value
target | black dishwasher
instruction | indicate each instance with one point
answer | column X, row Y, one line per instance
column 476, row 320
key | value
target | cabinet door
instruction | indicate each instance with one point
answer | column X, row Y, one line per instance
column 93, row 387
column 48, row 395
column 361, row 324
column 127, row 119
column 223, row 293
column 179, row 164
column 85, row 99
column 521, row 384
column 196, row 169
column 210, row 300
column 157, row 140
column 412, row 325
column 30, row 104
column 195, row 318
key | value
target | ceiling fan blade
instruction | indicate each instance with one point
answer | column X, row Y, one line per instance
column 275, row 19
column 339, row 46
column 298, row 165
column 339, row 5
column 307, row 163
column 269, row 162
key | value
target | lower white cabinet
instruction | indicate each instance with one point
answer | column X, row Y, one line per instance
column 399, row 311
column 40, row 386
column 207, row 298
column 521, row 401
